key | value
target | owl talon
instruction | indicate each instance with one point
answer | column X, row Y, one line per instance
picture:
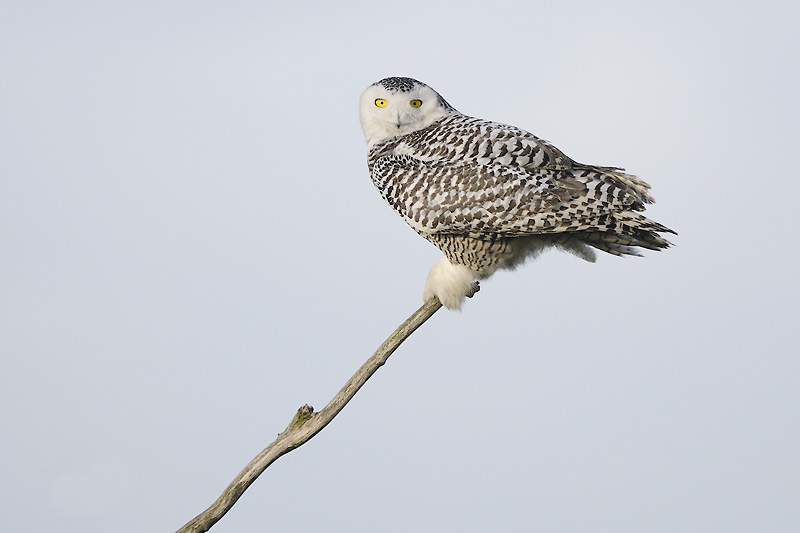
column 474, row 289
column 451, row 283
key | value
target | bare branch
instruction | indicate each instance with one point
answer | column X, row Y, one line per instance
column 306, row 423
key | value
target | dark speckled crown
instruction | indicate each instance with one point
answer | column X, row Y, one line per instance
column 399, row 84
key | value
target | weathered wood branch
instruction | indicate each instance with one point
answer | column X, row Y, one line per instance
column 306, row 423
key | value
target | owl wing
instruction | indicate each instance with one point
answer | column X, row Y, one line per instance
column 482, row 179
column 491, row 201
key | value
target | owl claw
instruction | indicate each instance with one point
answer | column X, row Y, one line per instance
column 474, row 289
column 451, row 283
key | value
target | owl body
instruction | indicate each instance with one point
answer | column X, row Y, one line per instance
column 489, row 195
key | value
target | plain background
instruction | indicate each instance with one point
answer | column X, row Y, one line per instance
column 191, row 249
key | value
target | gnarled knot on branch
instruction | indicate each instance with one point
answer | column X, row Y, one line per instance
column 303, row 415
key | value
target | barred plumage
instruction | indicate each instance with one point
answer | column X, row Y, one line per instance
column 491, row 195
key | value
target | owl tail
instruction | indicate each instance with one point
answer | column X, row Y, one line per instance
column 622, row 233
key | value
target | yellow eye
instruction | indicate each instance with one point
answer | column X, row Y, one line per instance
column 380, row 102
column 415, row 103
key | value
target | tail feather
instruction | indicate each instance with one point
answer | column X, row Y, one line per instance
column 621, row 233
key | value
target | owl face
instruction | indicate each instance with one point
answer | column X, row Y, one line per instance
column 398, row 106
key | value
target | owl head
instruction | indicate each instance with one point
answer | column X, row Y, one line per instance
column 398, row 106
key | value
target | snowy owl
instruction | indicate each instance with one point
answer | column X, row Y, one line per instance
column 489, row 195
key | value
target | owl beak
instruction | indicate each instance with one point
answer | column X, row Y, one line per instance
column 397, row 123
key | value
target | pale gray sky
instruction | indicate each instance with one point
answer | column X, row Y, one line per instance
column 192, row 249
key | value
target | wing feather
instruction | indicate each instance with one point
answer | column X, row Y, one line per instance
column 494, row 200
